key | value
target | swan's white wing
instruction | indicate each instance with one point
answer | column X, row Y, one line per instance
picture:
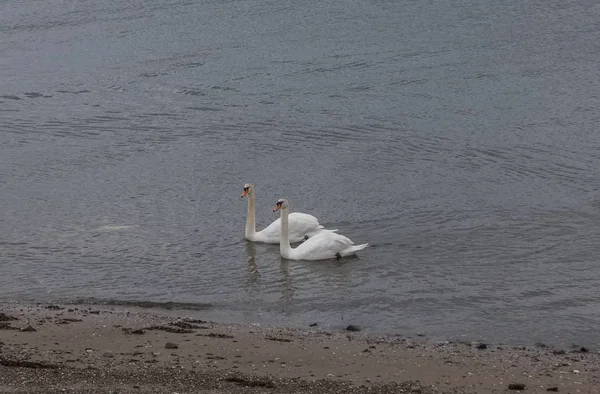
column 326, row 246
column 317, row 248
column 334, row 235
column 299, row 226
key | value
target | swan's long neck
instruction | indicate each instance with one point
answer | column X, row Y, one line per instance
column 284, row 242
column 250, row 220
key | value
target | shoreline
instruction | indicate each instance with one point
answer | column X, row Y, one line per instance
column 207, row 310
column 62, row 345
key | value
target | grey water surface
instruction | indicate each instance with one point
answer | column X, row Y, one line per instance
column 460, row 139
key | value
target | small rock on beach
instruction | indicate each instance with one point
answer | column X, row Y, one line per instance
column 5, row 317
column 171, row 345
column 516, row 386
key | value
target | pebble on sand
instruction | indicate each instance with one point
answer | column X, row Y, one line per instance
column 352, row 327
column 171, row 345
column 5, row 317
column 516, row 386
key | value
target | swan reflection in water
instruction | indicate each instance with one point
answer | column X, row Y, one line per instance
column 283, row 281
column 251, row 267
column 287, row 289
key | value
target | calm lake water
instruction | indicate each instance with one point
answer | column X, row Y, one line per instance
column 460, row 139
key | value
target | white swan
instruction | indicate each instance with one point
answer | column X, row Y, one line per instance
column 320, row 247
column 301, row 225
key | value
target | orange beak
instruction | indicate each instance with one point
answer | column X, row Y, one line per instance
column 244, row 193
column 276, row 208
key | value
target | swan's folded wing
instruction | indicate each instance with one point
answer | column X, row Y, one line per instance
column 322, row 247
column 301, row 224
column 343, row 239
column 333, row 234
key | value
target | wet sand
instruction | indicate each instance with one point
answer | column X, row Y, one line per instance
column 99, row 349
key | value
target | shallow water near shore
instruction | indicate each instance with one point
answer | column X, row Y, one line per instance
column 458, row 140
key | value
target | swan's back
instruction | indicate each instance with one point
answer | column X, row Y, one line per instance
column 300, row 225
column 326, row 246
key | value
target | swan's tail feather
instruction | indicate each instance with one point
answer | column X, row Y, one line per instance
column 321, row 231
column 356, row 248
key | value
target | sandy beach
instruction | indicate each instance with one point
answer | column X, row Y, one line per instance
column 98, row 349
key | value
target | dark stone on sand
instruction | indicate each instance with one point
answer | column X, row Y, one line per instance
column 279, row 339
column 584, row 350
column 5, row 317
column 250, row 381
column 7, row 326
column 29, row 328
column 352, row 327
column 95, row 312
column 552, row 389
column 216, row 335
column 197, row 321
column 516, row 386
column 174, row 330
column 67, row 321
column 182, row 324
column 482, row 346
column 188, row 325
column 171, row 345
column 25, row 364
column 128, row 330
column 54, row 307
column 313, row 325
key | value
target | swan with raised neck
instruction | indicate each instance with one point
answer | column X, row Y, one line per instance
column 321, row 247
column 301, row 225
